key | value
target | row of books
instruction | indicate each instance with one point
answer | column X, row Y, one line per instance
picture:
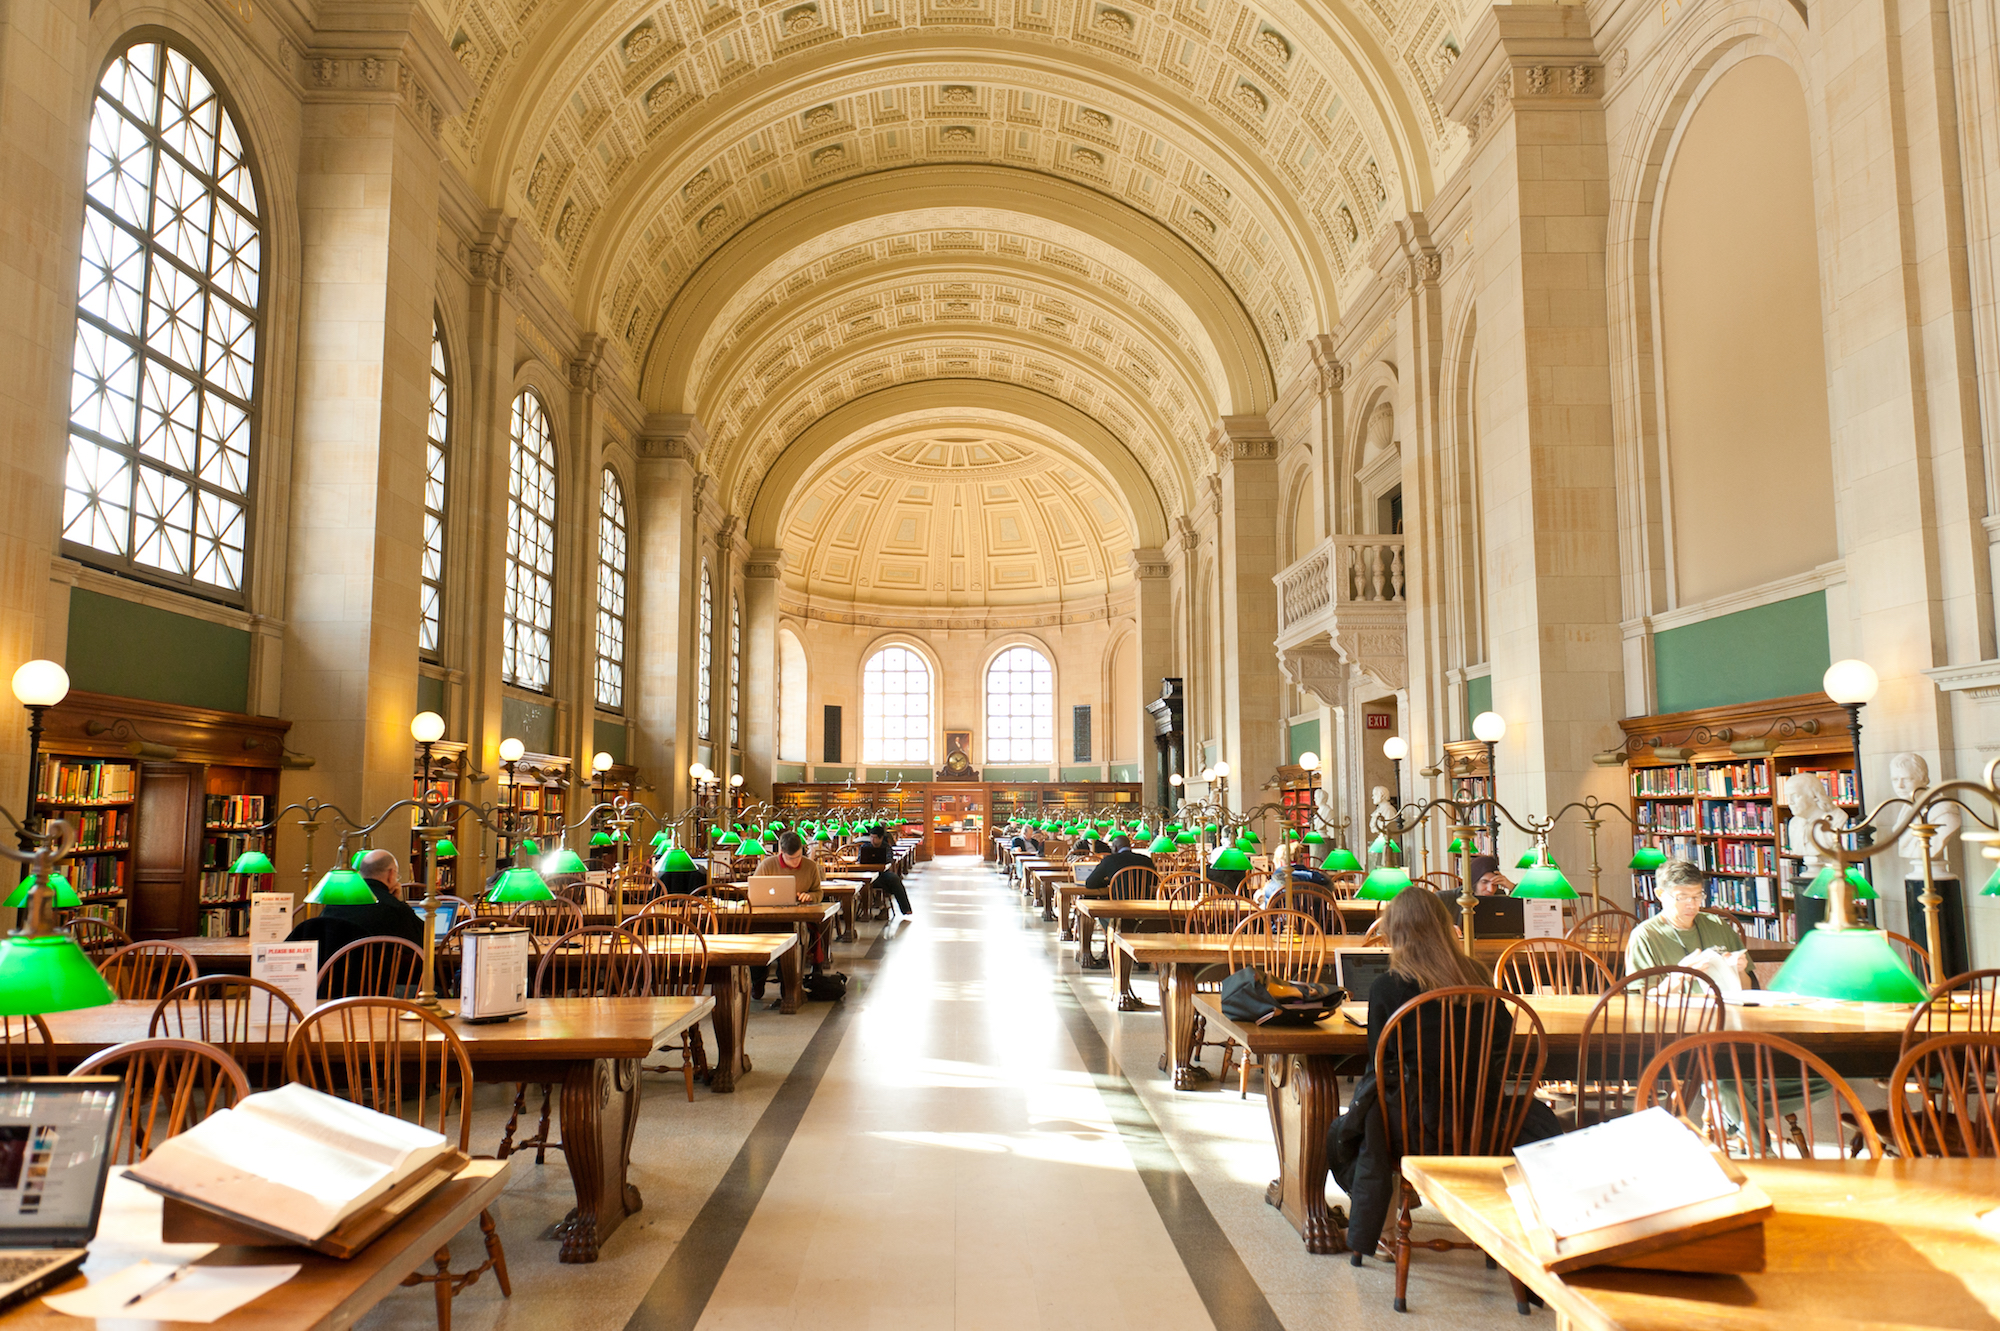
column 1751, row 778
column 85, row 779
column 223, row 886
column 1673, row 847
column 219, row 852
column 1658, row 817
column 111, row 912
column 102, row 829
column 96, row 873
column 1740, row 857
column 1748, row 894
column 1736, row 816
column 222, row 924
column 233, row 810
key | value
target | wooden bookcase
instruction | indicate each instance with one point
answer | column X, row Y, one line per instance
column 539, row 794
column 446, row 782
column 166, row 798
column 929, row 809
column 1707, row 786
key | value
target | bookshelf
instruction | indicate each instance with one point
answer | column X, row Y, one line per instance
column 930, row 808
column 446, row 781
column 1708, row 787
column 539, row 795
column 164, row 798
column 958, row 819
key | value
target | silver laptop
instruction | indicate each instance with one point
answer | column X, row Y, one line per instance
column 1355, row 969
column 774, row 889
column 55, row 1152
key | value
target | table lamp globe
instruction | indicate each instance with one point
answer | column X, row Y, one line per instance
column 253, row 861
column 519, row 884
column 341, row 887
column 66, row 897
column 1341, row 860
column 1384, row 883
column 564, row 860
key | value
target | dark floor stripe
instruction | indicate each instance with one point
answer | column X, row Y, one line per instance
column 1233, row 1298
column 684, row 1286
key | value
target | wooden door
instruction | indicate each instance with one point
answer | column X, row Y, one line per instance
column 166, row 850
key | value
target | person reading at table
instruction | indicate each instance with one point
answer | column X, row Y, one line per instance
column 388, row 917
column 1122, row 856
column 875, row 851
column 1681, row 934
column 1423, row 955
column 792, row 862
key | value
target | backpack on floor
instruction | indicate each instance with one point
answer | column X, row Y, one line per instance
column 826, row 987
column 1249, row 995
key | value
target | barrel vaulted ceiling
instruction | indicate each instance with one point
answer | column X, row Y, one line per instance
column 1135, row 211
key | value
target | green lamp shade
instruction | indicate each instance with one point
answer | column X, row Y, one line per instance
column 619, row 838
column 1546, row 881
column 1315, row 838
column 253, row 861
column 355, row 863
column 342, row 887
column 1855, row 964
column 564, row 860
column 677, row 861
column 750, row 845
column 777, row 827
column 729, row 839
column 1187, row 838
column 1457, row 846
column 1383, row 883
column 66, row 896
column 1535, row 855
column 1172, row 830
column 600, row 838
column 1382, row 845
column 1208, row 830
column 520, row 883
column 1162, row 845
column 1992, row 888
column 1342, row 860
column 48, row 973
column 1646, row 859
column 447, row 848
column 1230, row 858
column 529, row 846
column 660, row 840
column 1859, row 888
column 1139, row 832
column 1250, row 834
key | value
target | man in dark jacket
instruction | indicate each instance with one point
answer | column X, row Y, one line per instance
column 1122, row 856
column 389, row 917
column 875, row 851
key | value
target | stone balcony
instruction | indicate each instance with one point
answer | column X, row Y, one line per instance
column 1341, row 608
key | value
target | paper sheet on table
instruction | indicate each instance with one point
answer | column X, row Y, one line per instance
column 202, row 1295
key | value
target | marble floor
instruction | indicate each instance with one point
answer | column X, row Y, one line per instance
column 975, row 1138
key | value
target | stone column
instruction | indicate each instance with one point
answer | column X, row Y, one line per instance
column 579, row 496
column 761, row 574
column 665, row 500
column 368, row 207
column 1528, row 86
column 1252, row 689
column 1152, row 575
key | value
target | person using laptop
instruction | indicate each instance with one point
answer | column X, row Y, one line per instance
column 874, row 850
column 1122, row 856
column 1681, row 929
column 791, row 861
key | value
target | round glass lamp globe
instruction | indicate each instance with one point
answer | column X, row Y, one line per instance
column 601, row 762
column 41, row 684
column 511, row 750
column 1309, row 761
column 695, row 770
column 1395, row 748
column 1488, row 727
column 1175, row 779
column 736, row 779
column 426, row 727
column 1222, row 769
column 1849, row 683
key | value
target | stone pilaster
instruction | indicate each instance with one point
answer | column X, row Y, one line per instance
column 1252, row 689
column 1152, row 575
column 761, row 577
column 660, row 692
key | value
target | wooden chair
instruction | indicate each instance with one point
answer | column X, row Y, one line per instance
column 372, row 968
column 596, row 961
column 1184, row 886
column 1734, row 919
column 26, row 1048
column 170, row 1085
column 1214, row 917
column 98, row 938
column 147, row 970
column 231, row 1012
column 1345, row 886
column 1605, row 933
column 547, row 919
column 1443, row 882
column 1914, row 956
column 681, row 971
column 1313, row 901
column 674, row 915
column 1282, row 945
column 1637, row 1017
column 1764, row 1083
column 1550, row 966
column 1955, row 1082
column 1964, row 1003
column 1137, row 883
column 398, row 1059
column 1372, row 936
column 1453, row 1078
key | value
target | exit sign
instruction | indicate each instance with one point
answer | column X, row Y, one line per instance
column 1379, row 720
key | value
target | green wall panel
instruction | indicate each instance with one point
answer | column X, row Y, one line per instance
column 1014, row 773
column 1130, row 772
column 138, row 651
column 1772, row 651
column 1478, row 698
column 533, row 723
column 821, row 772
column 897, row 774
column 609, row 737
column 1305, row 739
column 797, row 772
column 430, row 695
column 1083, row 773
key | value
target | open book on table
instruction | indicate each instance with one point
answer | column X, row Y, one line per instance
column 293, row 1161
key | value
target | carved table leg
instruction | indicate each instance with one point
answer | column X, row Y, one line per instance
column 1046, row 894
column 1121, row 971
column 600, row 1109
column 791, row 982
column 1086, row 935
column 730, row 987
column 1304, row 1099
column 1072, row 920
column 1177, row 1012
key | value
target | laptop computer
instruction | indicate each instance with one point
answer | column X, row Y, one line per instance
column 1493, row 917
column 773, row 889
column 55, row 1153
column 1357, row 968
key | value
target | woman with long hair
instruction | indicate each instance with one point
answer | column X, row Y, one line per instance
column 1424, row 954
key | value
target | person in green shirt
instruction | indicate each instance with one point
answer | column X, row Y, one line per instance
column 1680, row 929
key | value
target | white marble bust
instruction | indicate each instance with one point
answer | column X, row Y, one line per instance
column 1807, row 798
column 1909, row 773
column 1383, row 812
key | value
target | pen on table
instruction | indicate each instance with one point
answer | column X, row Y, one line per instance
column 159, row 1284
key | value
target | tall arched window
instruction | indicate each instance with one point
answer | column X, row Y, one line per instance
column 1020, row 708
column 735, row 671
column 431, row 611
column 704, row 680
column 611, row 592
column 531, row 545
column 790, row 702
column 896, row 708
column 163, row 385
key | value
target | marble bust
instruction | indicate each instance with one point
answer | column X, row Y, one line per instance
column 1806, row 796
column 1909, row 773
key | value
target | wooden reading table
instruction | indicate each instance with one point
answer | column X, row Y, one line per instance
column 1874, row 1243
column 1303, row 1065
column 590, row 1047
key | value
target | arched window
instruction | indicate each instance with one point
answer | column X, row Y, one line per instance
column 163, row 385
column 790, row 702
column 431, row 611
column 735, row 671
column 1020, row 708
column 704, row 679
column 611, row 592
column 896, row 708
column 531, row 545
